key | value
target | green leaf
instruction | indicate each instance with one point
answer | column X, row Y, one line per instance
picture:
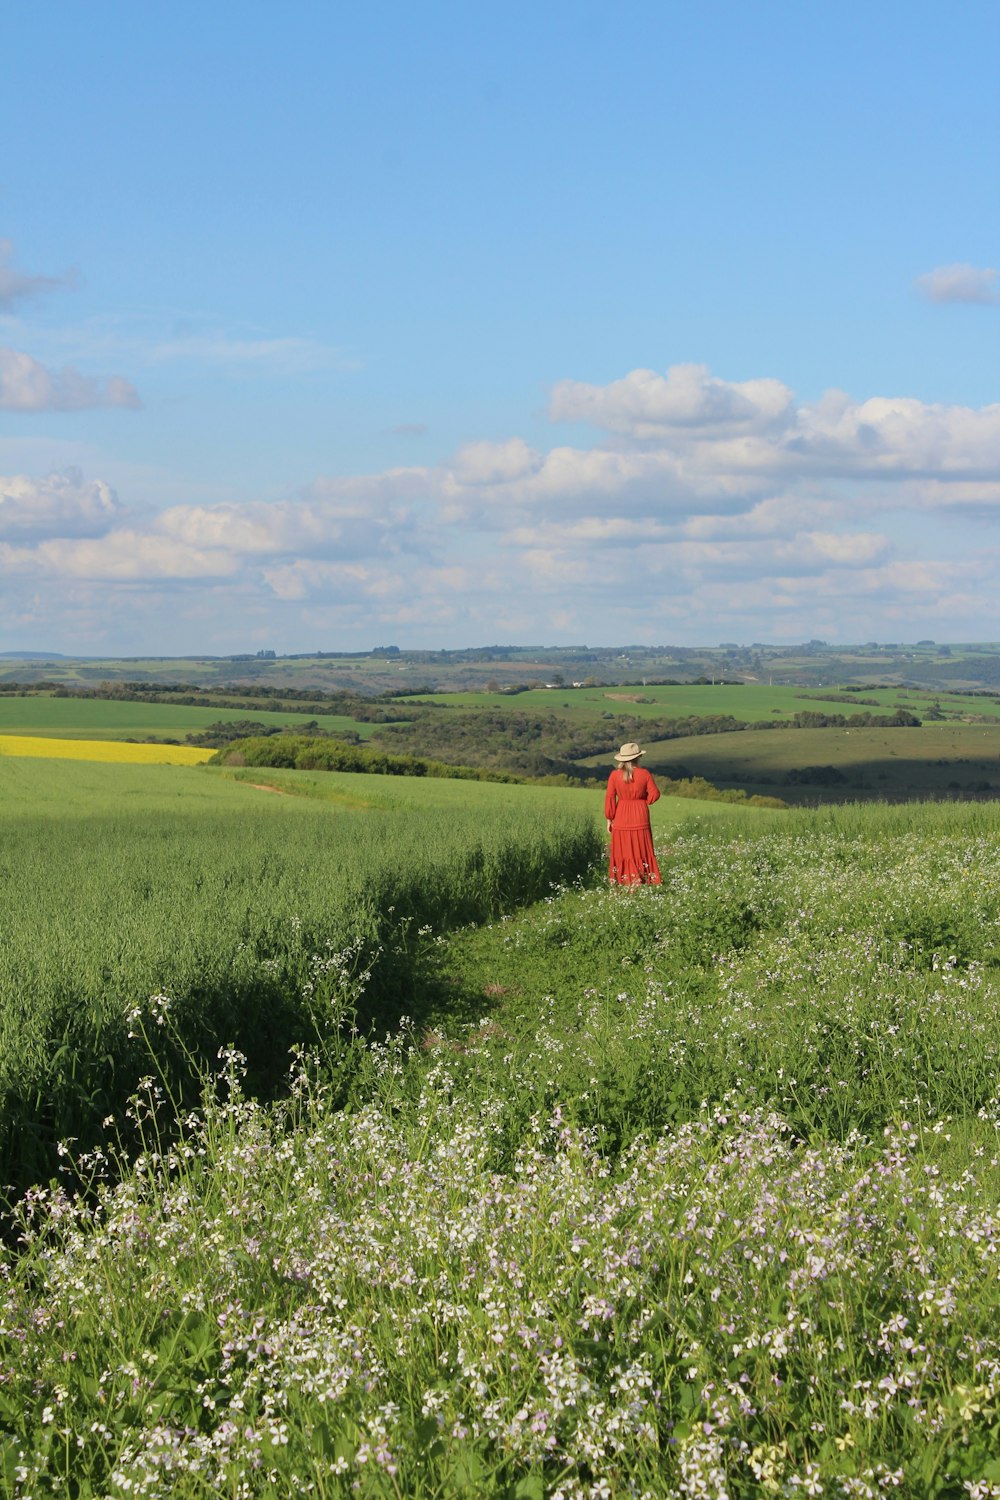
column 347, row 1441
column 321, row 1441
column 469, row 1472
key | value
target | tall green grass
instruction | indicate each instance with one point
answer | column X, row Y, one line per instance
column 243, row 907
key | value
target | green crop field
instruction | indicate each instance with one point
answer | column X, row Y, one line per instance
column 741, row 701
column 680, row 1191
column 81, row 790
column 750, row 702
column 120, row 882
column 102, row 718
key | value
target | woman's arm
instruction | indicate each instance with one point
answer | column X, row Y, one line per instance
column 610, row 801
column 652, row 790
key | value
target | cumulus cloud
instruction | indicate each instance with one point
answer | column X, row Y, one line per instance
column 495, row 463
column 309, row 527
column 584, row 480
column 645, row 404
column 18, row 286
column 723, row 506
column 904, row 452
column 894, row 436
column 123, row 556
column 960, row 283
column 64, row 527
column 62, row 505
column 757, row 429
column 561, row 562
column 26, row 385
column 343, row 582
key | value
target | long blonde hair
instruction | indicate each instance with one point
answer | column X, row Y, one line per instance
column 627, row 770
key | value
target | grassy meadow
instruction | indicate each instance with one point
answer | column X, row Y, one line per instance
column 685, row 1191
column 934, row 761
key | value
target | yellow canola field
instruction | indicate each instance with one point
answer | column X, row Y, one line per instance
column 114, row 750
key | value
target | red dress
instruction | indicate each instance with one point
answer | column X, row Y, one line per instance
column 627, row 806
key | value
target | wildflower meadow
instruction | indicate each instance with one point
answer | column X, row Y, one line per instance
column 686, row 1191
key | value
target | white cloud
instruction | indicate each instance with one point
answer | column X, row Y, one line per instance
column 495, row 463
column 960, row 283
column 813, row 454
column 330, row 520
column 745, row 509
column 342, row 582
column 306, row 527
column 656, row 546
column 26, row 385
column 61, row 505
column 18, row 286
column 645, row 404
column 125, row 556
column 713, row 436
column 573, row 481
column 779, row 515
column 894, row 436
column 845, row 549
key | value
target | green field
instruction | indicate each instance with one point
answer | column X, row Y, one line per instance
column 441, row 797
column 750, row 702
column 680, row 1191
column 936, row 760
column 953, row 754
column 76, row 790
column 122, row 882
column 742, row 702
column 102, row 718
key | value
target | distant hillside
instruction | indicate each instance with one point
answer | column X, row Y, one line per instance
column 391, row 670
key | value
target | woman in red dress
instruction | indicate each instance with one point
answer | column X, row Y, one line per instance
column 631, row 792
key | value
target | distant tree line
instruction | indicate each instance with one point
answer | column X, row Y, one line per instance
column 226, row 731
column 296, row 752
column 551, row 745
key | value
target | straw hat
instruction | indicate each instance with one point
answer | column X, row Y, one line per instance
column 629, row 751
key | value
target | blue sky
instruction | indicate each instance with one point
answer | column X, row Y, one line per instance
column 447, row 324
